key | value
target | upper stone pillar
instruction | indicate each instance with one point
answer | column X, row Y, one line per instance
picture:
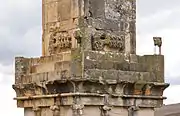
column 101, row 25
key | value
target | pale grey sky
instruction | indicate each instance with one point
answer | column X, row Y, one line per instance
column 20, row 33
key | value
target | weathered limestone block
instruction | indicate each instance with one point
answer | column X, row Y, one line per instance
column 21, row 67
column 155, row 64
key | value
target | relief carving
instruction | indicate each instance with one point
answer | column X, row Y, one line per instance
column 78, row 109
column 62, row 40
column 78, row 36
column 58, row 40
column 107, row 42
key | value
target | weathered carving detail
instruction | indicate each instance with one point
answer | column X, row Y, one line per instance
column 105, row 110
column 78, row 109
column 107, row 42
column 132, row 109
column 62, row 40
column 37, row 111
column 78, row 36
column 56, row 110
column 59, row 41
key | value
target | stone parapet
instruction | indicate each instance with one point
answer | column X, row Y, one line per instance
column 90, row 64
column 90, row 76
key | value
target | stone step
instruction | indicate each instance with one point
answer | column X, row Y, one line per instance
column 108, row 65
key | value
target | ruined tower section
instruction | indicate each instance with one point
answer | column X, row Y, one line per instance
column 100, row 25
column 89, row 65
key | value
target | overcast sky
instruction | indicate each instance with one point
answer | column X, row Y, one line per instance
column 20, row 34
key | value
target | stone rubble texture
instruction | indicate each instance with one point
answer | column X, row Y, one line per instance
column 89, row 64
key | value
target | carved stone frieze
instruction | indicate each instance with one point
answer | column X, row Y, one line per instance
column 62, row 40
column 108, row 42
column 78, row 36
column 59, row 41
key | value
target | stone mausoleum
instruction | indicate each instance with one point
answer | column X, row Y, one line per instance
column 89, row 65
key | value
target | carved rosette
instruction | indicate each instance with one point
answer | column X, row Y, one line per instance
column 107, row 42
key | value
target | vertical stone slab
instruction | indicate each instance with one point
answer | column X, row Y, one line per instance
column 74, row 8
column 64, row 10
column 50, row 15
column 43, row 27
column 28, row 112
column 91, row 110
column 118, row 111
column 133, row 27
column 46, row 112
column 145, row 112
